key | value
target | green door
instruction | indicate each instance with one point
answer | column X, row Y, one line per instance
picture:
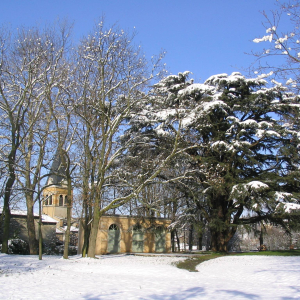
column 160, row 240
column 113, row 243
column 137, row 239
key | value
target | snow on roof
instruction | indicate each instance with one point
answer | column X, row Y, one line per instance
column 59, row 218
column 64, row 228
column 73, row 228
column 18, row 212
column 47, row 219
column 59, row 230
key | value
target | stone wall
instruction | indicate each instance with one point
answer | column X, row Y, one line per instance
column 151, row 231
column 18, row 229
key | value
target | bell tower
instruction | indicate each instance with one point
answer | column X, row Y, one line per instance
column 55, row 194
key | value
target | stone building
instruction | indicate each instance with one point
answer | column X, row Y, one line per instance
column 128, row 234
column 18, row 227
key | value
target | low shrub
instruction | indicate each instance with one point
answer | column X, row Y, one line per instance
column 58, row 250
column 18, row 246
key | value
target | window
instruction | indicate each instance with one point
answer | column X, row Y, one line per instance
column 61, row 200
column 46, row 201
column 113, row 227
column 66, row 200
column 50, row 200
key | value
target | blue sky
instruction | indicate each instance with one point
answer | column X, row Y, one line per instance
column 204, row 37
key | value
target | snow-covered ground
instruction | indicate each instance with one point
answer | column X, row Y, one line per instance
column 138, row 277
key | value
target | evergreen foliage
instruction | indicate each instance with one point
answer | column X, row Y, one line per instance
column 243, row 154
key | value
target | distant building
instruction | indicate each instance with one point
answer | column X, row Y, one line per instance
column 55, row 201
column 18, row 227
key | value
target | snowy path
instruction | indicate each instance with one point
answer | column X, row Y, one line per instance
column 133, row 277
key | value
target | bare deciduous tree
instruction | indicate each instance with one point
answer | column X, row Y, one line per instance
column 19, row 97
column 280, row 46
column 112, row 74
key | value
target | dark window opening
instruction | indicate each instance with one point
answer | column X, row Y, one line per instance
column 113, row 227
column 137, row 227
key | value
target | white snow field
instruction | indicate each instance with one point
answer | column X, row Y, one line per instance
column 139, row 277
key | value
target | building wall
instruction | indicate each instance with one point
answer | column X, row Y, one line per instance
column 18, row 229
column 126, row 224
column 48, row 232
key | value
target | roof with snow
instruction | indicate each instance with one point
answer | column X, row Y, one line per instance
column 18, row 212
column 64, row 229
column 59, row 230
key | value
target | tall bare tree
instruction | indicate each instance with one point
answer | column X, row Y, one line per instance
column 48, row 47
column 19, row 96
column 31, row 69
column 59, row 99
column 112, row 74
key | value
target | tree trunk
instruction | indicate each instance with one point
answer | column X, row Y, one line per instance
column 173, row 240
column 40, row 227
column 67, row 234
column 86, row 237
column 261, row 238
column 191, row 234
column 6, row 223
column 220, row 239
column 69, row 216
column 33, row 246
column 218, row 242
column 94, row 231
column 178, row 241
column 200, row 240
column 87, row 211
column 86, row 228
column 7, row 192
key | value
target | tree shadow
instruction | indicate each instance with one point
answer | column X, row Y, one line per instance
column 297, row 293
column 15, row 263
column 178, row 295
column 191, row 293
column 243, row 295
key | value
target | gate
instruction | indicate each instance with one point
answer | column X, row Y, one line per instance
column 113, row 242
column 160, row 240
column 137, row 239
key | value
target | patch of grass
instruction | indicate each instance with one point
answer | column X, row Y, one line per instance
column 273, row 253
column 191, row 263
